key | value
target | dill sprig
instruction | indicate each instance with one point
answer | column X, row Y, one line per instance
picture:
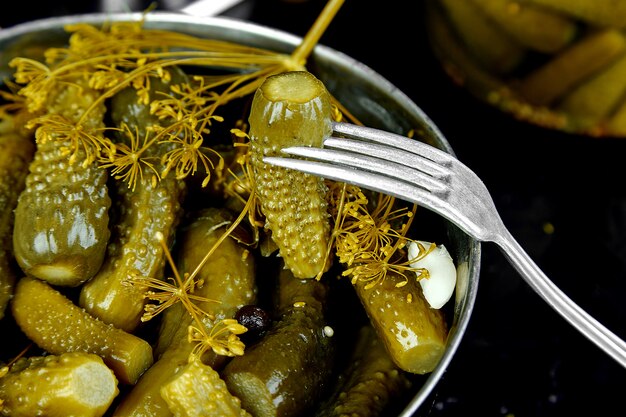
column 122, row 54
column 57, row 127
column 222, row 338
column 126, row 160
column 125, row 54
column 204, row 333
column 369, row 238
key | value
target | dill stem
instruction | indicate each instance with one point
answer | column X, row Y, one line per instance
column 168, row 255
column 20, row 355
column 302, row 52
column 182, row 295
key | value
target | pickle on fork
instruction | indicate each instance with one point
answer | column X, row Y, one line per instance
column 292, row 109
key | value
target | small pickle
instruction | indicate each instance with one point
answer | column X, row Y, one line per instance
column 611, row 13
column 16, row 152
column 413, row 333
column 369, row 383
column 228, row 278
column 535, row 27
column 62, row 216
column 591, row 102
column 73, row 384
column 292, row 109
column 144, row 211
column 550, row 82
column 57, row 325
column 488, row 44
column 287, row 371
column 198, row 391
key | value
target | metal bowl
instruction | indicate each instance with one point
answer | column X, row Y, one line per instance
column 370, row 97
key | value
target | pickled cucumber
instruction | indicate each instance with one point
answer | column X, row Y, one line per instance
column 413, row 333
column 536, row 28
column 58, row 326
column 228, row 277
column 369, row 383
column 493, row 48
column 574, row 65
column 74, row 384
column 287, row 371
column 593, row 101
column 457, row 61
column 292, row 109
column 134, row 251
column 144, row 211
column 16, row 152
column 610, row 13
column 198, row 391
column 62, row 216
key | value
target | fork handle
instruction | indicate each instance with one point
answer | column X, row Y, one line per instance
column 561, row 303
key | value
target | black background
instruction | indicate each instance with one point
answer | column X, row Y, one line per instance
column 518, row 358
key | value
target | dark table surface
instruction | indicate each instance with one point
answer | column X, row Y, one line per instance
column 562, row 196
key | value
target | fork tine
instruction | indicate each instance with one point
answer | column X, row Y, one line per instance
column 351, row 131
column 427, row 158
column 396, row 187
column 390, row 153
column 375, row 163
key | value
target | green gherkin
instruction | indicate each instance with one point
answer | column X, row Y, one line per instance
column 292, row 109
column 55, row 324
column 369, row 383
column 228, row 278
column 198, row 391
column 61, row 221
column 58, row 386
column 289, row 370
column 143, row 211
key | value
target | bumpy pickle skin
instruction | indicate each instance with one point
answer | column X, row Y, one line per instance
column 292, row 109
column 57, row 325
column 413, row 333
column 144, row 211
column 288, row 370
column 61, row 220
column 73, row 384
column 16, row 153
column 198, row 391
column 228, row 276
column 370, row 382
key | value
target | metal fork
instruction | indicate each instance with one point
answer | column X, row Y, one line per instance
column 417, row 172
